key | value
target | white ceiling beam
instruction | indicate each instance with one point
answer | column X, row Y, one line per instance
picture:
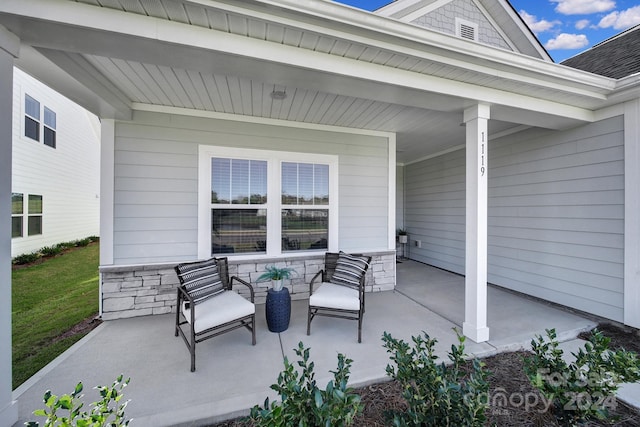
column 44, row 69
column 89, row 76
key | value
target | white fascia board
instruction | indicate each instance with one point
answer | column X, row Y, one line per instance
column 176, row 33
column 369, row 22
column 366, row 24
column 526, row 31
column 410, row 17
column 498, row 28
column 395, row 7
column 193, row 36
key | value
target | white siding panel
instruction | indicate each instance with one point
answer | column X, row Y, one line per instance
column 67, row 177
column 155, row 214
column 556, row 214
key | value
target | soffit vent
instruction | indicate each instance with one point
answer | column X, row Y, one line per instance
column 466, row 30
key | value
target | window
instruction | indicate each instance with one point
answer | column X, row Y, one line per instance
column 17, row 212
column 32, row 122
column 34, row 220
column 255, row 202
column 49, row 128
column 305, row 206
column 238, row 205
column 31, row 118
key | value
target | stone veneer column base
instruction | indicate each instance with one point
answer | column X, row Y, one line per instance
column 144, row 290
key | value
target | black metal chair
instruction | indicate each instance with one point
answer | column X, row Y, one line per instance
column 207, row 304
column 341, row 292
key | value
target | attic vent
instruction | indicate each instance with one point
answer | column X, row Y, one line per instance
column 466, row 30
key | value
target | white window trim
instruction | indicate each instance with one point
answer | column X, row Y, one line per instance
column 274, row 205
column 40, row 121
column 21, row 215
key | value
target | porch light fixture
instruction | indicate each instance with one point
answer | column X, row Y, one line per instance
column 278, row 95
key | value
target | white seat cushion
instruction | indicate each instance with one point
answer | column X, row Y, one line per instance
column 330, row 295
column 219, row 309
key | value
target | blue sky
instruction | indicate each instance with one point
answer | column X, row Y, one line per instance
column 565, row 27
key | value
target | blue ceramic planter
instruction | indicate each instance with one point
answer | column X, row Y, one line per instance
column 278, row 310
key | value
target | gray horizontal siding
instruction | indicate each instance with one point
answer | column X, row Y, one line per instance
column 556, row 214
column 435, row 210
column 156, row 181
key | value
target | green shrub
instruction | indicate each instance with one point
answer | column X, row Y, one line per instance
column 94, row 238
column 82, row 242
column 26, row 258
column 303, row 403
column 66, row 245
column 437, row 394
column 107, row 412
column 585, row 389
column 51, row 250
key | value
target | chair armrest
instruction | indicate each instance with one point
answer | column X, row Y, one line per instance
column 184, row 296
column 247, row 284
column 319, row 273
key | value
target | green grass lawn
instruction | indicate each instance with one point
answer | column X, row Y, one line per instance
column 48, row 299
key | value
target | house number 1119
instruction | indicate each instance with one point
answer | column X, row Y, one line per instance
column 482, row 167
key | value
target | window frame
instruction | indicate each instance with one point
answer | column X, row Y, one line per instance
column 37, row 120
column 48, row 126
column 274, row 203
column 40, row 121
column 17, row 215
column 29, row 215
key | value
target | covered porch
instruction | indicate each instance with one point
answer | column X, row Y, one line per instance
column 312, row 78
column 232, row 376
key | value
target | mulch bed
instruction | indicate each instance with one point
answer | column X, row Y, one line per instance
column 524, row 405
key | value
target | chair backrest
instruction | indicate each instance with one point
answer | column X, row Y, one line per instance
column 330, row 262
column 223, row 271
column 196, row 278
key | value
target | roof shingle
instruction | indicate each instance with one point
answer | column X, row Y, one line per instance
column 616, row 57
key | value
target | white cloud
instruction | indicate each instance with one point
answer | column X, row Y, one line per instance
column 621, row 20
column 583, row 7
column 537, row 26
column 582, row 24
column 567, row 41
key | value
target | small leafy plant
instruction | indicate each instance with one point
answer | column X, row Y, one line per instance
column 437, row 394
column 26, row 258
column 303, row 403
column 108, row 412
column 51, row 250
column 276, row 273
column 83, row 242
column 586, row 388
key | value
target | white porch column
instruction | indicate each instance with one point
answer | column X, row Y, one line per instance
column 9, row 46
column 475, row 312
column 107, row 196
column 632, row 214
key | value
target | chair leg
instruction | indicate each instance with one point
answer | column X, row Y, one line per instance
column 253, row 329
column 177, row 316
column 360, row 327
column 309, row 321
column 192, row 349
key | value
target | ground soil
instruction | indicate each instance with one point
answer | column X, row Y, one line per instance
column 506, row 377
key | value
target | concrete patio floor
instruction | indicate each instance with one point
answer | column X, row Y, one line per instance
column 232, row 375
